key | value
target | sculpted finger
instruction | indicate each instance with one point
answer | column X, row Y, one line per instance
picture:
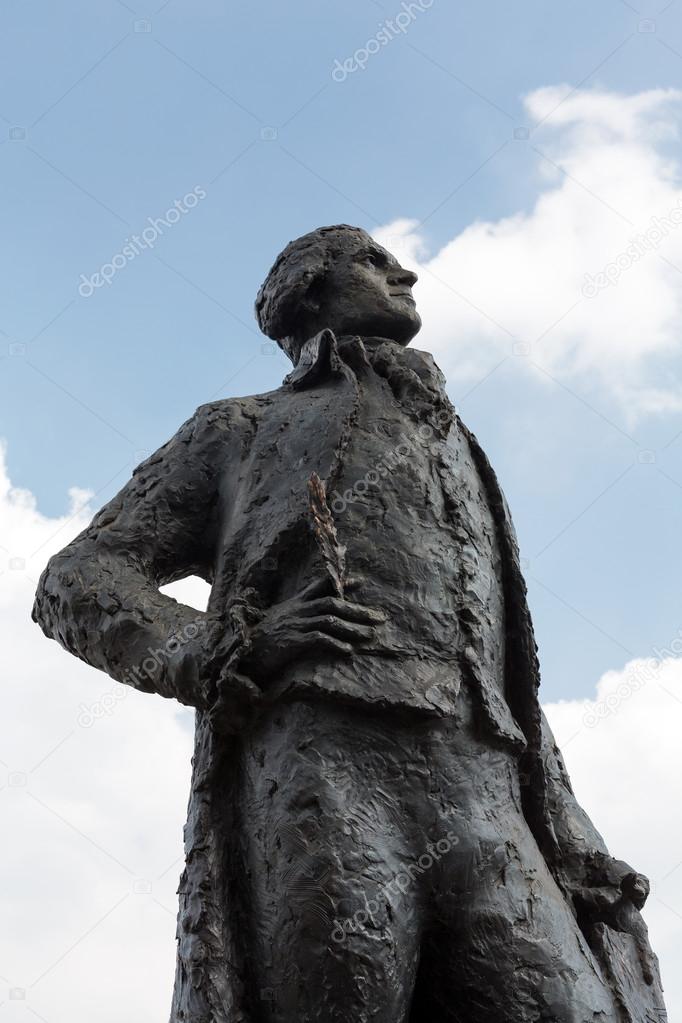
column 334, row 626
column 309, row 642
column 344, row 609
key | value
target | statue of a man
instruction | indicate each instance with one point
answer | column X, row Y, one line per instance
column 380, row 824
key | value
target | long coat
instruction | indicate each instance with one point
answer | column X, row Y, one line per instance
column 225, row 499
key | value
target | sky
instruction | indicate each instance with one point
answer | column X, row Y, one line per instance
column 525, row 160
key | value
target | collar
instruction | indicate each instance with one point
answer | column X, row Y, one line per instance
column 319, row 357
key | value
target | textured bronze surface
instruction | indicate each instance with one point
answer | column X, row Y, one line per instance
column 380, row 825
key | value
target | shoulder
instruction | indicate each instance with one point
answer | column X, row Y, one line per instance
column 228, row 417
column 213, row 425
column 233, row 414
column 232, row 411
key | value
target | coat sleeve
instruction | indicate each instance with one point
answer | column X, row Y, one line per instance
column 586, row 866
column 99, row 597
column 577, row 836
column 607, row 895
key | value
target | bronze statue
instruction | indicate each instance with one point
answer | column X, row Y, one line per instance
column 380, row 825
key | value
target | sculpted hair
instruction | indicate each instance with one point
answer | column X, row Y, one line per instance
column 288, row 299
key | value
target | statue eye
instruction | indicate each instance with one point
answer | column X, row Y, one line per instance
column 370, row 260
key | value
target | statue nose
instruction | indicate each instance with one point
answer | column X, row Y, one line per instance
column 402, row 276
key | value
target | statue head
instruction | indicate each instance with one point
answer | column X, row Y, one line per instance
column 336, row 277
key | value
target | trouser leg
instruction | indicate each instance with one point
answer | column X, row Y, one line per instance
column 502, row 942
column 333, row 937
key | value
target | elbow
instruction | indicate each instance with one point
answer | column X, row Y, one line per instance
column 57, row 599
column 43, row 604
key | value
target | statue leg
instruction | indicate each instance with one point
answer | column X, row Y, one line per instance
column 501, row 941
column 513, row 953
column 332, row 937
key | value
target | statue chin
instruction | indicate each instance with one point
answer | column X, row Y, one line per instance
column 401, row 329
column 407, row 327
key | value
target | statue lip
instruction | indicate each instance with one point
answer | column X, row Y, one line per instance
column 403, row 294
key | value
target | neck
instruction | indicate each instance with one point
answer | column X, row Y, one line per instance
column 371, row 340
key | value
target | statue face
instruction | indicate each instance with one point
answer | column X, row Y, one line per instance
column 366, row 291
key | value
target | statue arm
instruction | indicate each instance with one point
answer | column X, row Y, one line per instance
column 585, row 858
column 604, row 890
column 577, row 836
column 99, row 596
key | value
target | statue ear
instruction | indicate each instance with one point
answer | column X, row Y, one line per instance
column 300, row 313
column 314, row 293
column 288, row 303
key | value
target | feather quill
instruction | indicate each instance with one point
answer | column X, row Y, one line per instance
column 333, row 553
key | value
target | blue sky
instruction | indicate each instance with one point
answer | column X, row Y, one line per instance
column 508, row 149
column 122, row 113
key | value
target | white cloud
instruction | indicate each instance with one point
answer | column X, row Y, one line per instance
column 624, row 756
column 605, row 173
column 91, row 809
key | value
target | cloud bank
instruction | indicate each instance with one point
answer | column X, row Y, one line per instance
column 623, row 753
column 94, row 780
column 587, row 284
